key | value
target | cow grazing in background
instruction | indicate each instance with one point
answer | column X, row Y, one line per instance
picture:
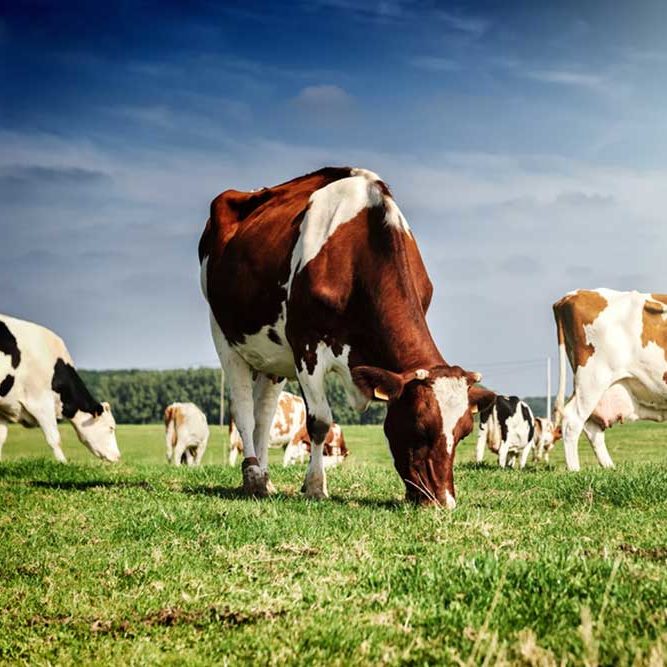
column 507, row 428
column 616, row 343
column 322, row 274
column 335, row 449
column 186, row 434
column 39, row 385
column 288, row 430
column 546, row 436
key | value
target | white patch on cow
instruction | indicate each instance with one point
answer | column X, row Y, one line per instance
column 265, row 355
column 452, row 396
column 450, row 501
column 334, row 205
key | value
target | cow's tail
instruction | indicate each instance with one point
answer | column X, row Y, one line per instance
column 562, row 370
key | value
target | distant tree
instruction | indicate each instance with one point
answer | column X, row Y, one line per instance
column 140, row 396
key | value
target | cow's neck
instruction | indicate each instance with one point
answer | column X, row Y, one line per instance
column 406, row 342
column 403, row 341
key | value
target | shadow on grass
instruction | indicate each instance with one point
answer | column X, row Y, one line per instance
column 85, row 485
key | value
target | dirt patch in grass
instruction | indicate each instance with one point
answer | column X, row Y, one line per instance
column 166, row 617
column 649, row 553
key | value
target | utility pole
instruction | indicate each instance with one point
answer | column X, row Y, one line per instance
column 548, row 415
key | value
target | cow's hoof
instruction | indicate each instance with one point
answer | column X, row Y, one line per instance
column 315, row 488
column 254, row 479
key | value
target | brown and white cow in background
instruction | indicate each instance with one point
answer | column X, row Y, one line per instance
column 39, row 385
column 616, row 343
column 288, row 430
column 186, row 434
column 322, row 274
column 546, row 436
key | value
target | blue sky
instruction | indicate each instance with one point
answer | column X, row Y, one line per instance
column 525, row 142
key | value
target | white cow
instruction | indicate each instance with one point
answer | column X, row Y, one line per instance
column 39, row 385
column 616, row 343
column 186, row 434
column 546, row 436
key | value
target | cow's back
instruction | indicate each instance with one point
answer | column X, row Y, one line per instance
column 29, row 358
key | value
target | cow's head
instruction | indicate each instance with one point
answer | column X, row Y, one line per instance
column 97, row 431
column 429, row 412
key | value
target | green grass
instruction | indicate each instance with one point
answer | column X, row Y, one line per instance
column 142, row 564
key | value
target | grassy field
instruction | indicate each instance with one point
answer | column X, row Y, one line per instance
column 142, row 564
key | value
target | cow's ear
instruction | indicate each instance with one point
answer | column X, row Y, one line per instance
column 377, row 383
column 480, row 399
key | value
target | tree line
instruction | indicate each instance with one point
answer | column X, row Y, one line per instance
column 140, row 396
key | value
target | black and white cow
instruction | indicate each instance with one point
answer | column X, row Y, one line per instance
column 39, row 385
column 507, row 428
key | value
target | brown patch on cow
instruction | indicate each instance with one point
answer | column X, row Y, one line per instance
column 660, row 297
column 287, row 407
column 654, row 326
column 573, row 313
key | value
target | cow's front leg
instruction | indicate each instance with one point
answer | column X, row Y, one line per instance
column 503, row 453
column 524, row 455
column 318, row 421
column 266, row 392
column 45, row 415
column 3, row 435
column 481, row 442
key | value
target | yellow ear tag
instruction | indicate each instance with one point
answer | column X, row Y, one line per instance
column 380, row 394
column 474, row 409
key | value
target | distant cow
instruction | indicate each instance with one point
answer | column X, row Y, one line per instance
column 39, row 385
column 507, row 428
column 335, row 450
column 187, row 434
column 616, row 343
column 546, row 436
column 288, row 430
column 322, row 274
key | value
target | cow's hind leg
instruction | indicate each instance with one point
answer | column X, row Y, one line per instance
column 318, row 421
column 201, row 450
column 595, row 435
column 266, row 392
column 4, row 430
column 239, row 375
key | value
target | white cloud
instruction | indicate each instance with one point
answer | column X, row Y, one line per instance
column 324, row 97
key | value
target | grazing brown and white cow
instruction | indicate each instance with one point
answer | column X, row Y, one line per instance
column 288, row 430
column 335, row 449
column 322, row 274
column 39, row 385
column 186, row 434
column 616, row 343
